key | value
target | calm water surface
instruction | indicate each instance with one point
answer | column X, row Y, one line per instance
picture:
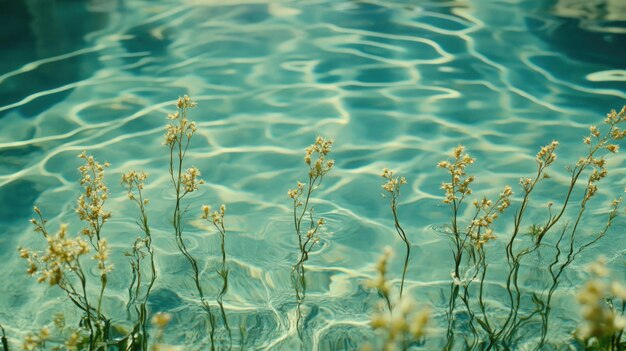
column 394, row 83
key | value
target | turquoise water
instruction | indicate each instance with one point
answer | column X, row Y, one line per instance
column 396, row 84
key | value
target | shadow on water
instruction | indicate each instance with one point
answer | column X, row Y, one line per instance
column 41, row 29
column 592, row 31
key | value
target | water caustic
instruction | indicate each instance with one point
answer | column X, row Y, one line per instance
column 397, row 84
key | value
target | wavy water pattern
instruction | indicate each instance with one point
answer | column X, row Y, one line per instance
column 394, row 83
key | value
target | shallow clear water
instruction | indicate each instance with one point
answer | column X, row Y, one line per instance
column 394, row 83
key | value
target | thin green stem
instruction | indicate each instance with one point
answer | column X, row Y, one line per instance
column 3, row 339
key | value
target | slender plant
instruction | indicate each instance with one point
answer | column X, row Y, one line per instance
column 398, row 319
column 319, row 166
column 603, row 302
column 60, row 264
column 217, row 219
column 138, row 297
column 177, row 138
column 392, row 187
column 566, row 243
column 470, row 260
column 91, row 210
column 467, row 240
column 3, row 339
column 554, row 242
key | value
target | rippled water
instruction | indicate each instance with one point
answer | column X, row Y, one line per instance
column 394, row 83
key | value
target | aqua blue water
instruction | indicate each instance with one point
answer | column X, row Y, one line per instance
column 395, row 83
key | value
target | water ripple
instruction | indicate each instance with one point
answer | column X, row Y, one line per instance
column 394, row 84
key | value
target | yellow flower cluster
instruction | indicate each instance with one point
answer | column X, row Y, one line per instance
column 487, row 211
column 161, row 319
column 458, row 188
column 91, row 203
column 315, row 157
column 191, row 179
column 545, row 157
column 612, row 119
column 614, row 133
column 393, row 183
column 71, row 344
column 601, row 320
column 216, row 217
column 101, row 256
column 547, row 154
column 380, row 282
column 310, row 234
column 132, row 180
column 33, row 342
column 402, row 321
column 295, row 193
column 597, row 174
column 185, row 102
column 181, row 127
column 60, row 256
